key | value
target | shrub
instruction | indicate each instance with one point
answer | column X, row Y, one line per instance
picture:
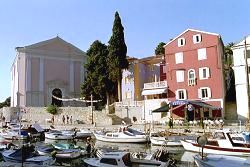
column 52, row 109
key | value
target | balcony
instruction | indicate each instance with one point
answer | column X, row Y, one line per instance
column 191, row 82
column 155, row 85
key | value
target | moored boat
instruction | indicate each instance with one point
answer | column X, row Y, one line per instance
column 19, row 156
column 59, row 135
column 221, row 160
column 222, row 143
column 124, row 135
column 63, row 153
column 121, row 159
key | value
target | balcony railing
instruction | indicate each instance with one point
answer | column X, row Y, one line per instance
column 191, row 82
column 153, row 85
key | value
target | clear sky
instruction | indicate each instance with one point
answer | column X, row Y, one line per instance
column 146, row 23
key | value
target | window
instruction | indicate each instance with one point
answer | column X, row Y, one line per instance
column 204, row 73
column 197, row 38
column 128, row 94
column 164, row 69
column 191, row 77
column 181, row 94
column 108, row 161
column 202, row 54
column 181, row 42
column 179, row 57
column 204, row 93
column 180, row 76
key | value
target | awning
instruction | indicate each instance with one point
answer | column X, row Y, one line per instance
column 194, row 102
column 164, row 108
column 154, row 91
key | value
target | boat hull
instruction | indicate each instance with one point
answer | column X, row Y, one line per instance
column 209, row 149
column 58, row 136
column 163, row 141
column 218, row 161
column 132, row 139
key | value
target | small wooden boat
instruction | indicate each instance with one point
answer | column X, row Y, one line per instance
column 64, row 146
column 164, row 141
column 121, row 159
column 17, row 156
column 124, row 135
column 83, row 133
column 221, row 160
column 59, row 135
column 222, row 143
column 66, row 153
column 14, row 134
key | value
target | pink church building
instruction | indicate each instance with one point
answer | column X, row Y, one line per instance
column 51, row 67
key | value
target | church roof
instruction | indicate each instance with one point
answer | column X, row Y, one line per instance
column 49, row 41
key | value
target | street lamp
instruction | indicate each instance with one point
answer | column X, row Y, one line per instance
column 92, row 118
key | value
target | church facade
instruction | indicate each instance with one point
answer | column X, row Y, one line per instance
column 45, row 70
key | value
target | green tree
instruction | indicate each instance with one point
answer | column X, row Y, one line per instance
column 117, row 49
column 52, row 109
column 159, row 50
column 6, row 103
column 97, row 82
column 228, row 54
column 228, row 72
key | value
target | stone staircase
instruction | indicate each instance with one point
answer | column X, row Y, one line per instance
column 115, row 119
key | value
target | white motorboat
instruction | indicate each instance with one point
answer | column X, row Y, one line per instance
column 121, row 159
column 65, row 153
column 13, row 134
column 221, row 160
column 164, row 141
column 126, row 135
column 82, row 133
column 222, row 143
column 59, row 135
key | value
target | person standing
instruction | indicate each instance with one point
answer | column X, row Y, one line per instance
column 89, row 147
column 63, row 119
column 52, row 120
column 71, row 119
column 67, row 119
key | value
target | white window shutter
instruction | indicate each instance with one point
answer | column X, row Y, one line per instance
column 185, row 93
column 177, row 94
column 180, row 76
column 209, row 93
column 199, row 93
column 200, row 73
column 207, row 72
column 194, row 39
column 202, row 54
column 179, row 57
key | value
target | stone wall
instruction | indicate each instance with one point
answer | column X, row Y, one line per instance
column 129, row 112
column 40, row 115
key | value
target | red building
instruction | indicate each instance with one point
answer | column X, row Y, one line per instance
column 194, row 68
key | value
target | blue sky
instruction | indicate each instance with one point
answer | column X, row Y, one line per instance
column 80, row 22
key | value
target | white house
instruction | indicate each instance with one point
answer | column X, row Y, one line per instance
column 241, row 61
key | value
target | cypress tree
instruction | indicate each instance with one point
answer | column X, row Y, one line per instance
column 117, row 49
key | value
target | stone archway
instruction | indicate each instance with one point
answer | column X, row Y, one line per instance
column 57, row 93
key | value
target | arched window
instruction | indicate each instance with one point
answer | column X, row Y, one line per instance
column 191, row 77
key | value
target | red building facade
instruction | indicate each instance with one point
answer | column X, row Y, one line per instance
column 194, row 67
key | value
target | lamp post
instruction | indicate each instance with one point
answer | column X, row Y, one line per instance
column 92, row 118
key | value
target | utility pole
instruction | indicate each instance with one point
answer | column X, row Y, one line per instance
column 92, row 118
